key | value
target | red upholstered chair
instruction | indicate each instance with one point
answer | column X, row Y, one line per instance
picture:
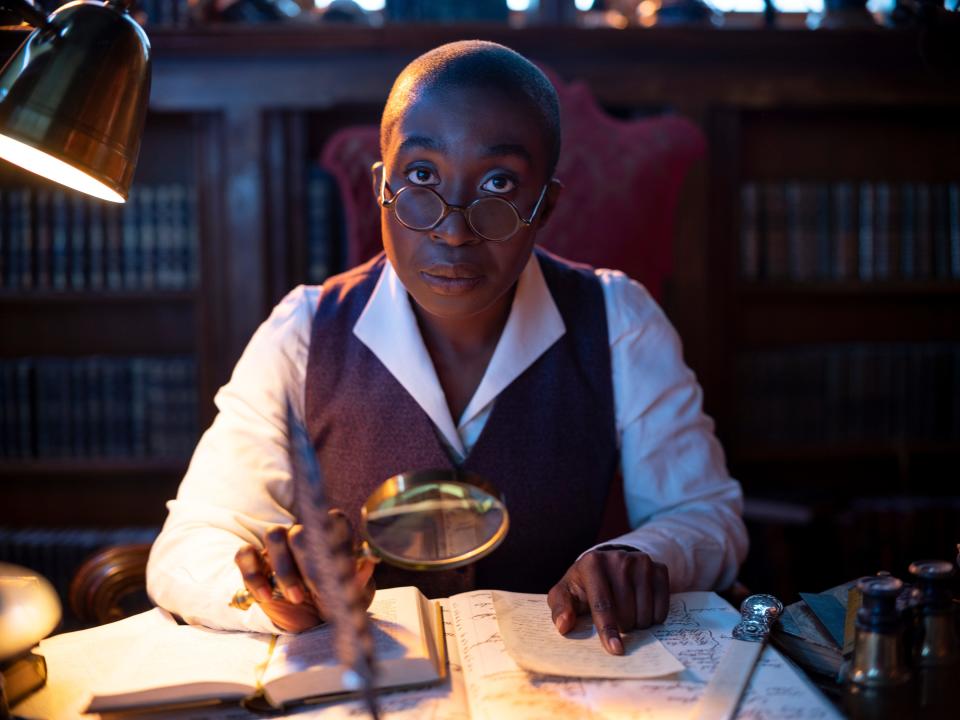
column 621, row 179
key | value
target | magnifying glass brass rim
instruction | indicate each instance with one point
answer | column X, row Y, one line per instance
column 409, row 481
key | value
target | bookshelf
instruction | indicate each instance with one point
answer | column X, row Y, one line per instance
column 841, row 326
column 104, row 362
column 239, row 115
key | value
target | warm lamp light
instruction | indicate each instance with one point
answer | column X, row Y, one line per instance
column 73, row 98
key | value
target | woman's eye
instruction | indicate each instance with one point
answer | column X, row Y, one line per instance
column 422, row 176
column 499, row 184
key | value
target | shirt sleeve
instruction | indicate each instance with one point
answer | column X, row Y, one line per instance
column 683, row 506
column 238, row 483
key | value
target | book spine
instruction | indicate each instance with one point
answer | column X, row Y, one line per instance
column 96, row 242
column 14, row 240
column 939, row 211
column 96, row 428
column 28, row 257
column 148, row 238
column 131, row 241
column 881, row 233
column 953, row 223
column 825, row 251
column 866, row 240
column 79, row 274
column 749, row 233
column 775, row 231
column 179, row 237
column 59, row 273
column 895, row 233
column 79, row 405
column 138, row 407
column 166, row 253
column 113, row 241
column 809, row 255
column 793, row 229
column 844, row 232
column 908, row 231
column 26, row 410
column 193, row 237
column 44, row 239
column 8, row 410
column 4, row 241
column 924, row 233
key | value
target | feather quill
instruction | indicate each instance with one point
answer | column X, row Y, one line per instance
column 330, row 569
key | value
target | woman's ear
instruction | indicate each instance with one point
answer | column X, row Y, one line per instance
column 376, row 172
column 554, row 188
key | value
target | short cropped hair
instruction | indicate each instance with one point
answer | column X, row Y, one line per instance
column 477, row 64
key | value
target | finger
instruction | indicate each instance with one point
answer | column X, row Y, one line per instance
column 644, row 584
column 254, row 571
column 661, row 592
column 623, row 587
column 284, row 566
column 364, row 571
column 342, row 535
column 562, row 607
column 600, row 599
column 366, row 581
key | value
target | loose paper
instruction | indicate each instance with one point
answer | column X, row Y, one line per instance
column 532, row 640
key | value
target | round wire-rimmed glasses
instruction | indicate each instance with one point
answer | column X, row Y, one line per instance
column 421, row 208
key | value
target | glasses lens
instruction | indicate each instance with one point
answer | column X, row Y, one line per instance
column 418, row 208
column 493, row 218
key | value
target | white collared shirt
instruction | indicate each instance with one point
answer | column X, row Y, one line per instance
column 681, row 502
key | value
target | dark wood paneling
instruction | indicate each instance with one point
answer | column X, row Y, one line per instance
column 87, row 324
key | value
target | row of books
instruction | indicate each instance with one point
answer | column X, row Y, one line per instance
column 53, row 240
column 868, row 231
column 850, row 393
column 98, row 407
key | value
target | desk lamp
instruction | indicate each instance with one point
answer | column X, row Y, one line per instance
column 73, row 98
column 29, row 611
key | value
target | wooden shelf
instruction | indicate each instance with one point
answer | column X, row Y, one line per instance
column 770, row 453
column 760, row 290
column 91, row 467
column 94, row 297
column 778, row 318
column 83, row 324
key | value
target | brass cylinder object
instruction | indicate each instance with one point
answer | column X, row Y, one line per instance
column 878, row 653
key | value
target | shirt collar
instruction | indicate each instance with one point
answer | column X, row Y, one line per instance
column 388, row 327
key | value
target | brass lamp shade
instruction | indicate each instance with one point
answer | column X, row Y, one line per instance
column 73, row 99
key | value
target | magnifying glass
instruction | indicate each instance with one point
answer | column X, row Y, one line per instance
column 433, row 520
column 426, row 520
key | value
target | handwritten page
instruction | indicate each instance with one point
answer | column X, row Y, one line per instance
column 533, row 642
column 697, row 632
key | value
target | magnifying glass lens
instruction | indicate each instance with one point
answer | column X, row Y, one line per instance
column 429, row 521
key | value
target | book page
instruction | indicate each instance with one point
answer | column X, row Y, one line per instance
column 180, row 663
column 533, row 642
column 305, row 665
column 696, row 632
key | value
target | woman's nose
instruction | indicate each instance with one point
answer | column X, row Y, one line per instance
column 454, row 229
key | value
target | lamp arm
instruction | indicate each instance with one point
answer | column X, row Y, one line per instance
column 28, row 11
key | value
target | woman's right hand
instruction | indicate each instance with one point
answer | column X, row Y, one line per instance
column 294, row 608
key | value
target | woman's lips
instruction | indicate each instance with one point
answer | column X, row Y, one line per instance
column 455, row 279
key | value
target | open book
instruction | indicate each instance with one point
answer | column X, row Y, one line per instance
column 184, row 664
column 485, row 680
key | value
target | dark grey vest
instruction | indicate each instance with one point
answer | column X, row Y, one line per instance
column 549, row 443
